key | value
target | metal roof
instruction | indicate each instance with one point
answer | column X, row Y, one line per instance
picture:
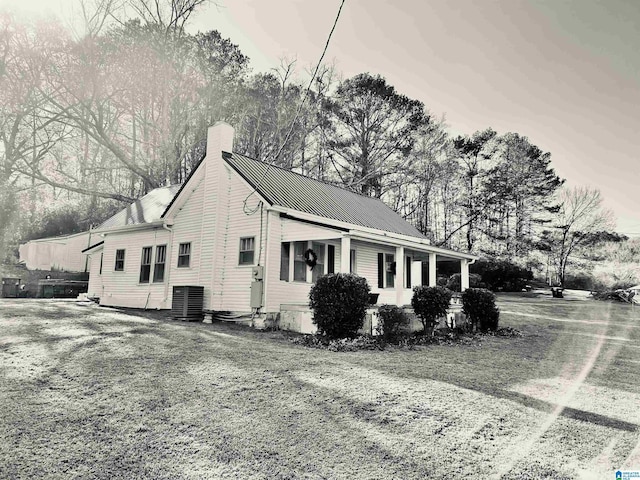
column 283, row 188
column 292, row 190
column 144, row 210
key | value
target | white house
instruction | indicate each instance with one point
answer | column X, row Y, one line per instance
column 245, row 232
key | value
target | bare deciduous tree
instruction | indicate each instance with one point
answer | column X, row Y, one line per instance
column 581, row 214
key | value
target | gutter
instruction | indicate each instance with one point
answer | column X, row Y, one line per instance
column 127, row 228
column 370, row 233
column 355, row 234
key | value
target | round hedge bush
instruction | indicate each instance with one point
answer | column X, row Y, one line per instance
column 339, row 302
column 479, row 305
column 430, row 304
column 393, row 322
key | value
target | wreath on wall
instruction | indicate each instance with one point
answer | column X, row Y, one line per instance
column 310, row 258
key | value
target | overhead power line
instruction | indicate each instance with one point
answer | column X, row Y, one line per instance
column 295, row 117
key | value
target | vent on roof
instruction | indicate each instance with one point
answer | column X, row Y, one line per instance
column 187, row 303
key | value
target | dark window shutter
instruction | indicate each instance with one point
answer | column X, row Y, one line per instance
column 331, row 259
column 285, row 248
column 408, row 269
column 381, row 270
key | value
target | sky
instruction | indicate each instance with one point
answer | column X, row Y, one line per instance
column 564, row 73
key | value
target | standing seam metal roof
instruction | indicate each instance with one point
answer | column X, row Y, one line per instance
column 284, row 188
column 292, row 190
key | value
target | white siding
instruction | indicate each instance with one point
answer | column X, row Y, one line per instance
column 122, row 288
column 232, row 282
column 57, row 253
column 188, row 228
column 94, row 288
column 280, row 292
column 367, row 267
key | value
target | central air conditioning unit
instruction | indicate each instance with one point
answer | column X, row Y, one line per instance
column 187, row 303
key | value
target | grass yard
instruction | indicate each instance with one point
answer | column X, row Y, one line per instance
column 87, row 392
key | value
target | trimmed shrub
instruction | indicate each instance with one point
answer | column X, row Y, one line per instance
column 430, row 304
column 393, row 322
column 579, row 281
column 479, row 305
column 339, row 302
column 454, row 282
column 500, row 275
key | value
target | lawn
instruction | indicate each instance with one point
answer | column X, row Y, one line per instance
column 89, row 392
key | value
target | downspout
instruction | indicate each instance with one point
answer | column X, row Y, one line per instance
column 86, row 257
column 266, row 261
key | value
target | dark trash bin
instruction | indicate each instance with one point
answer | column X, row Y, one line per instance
column 10, row 287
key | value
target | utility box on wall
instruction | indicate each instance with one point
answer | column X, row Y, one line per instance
column 256, row 293
column 257, row 272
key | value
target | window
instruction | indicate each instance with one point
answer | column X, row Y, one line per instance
column 184, row 254
column 299, row 264
column 318, row 270
column 407, row 270
column 285, row 251
column 101, row 255
column 119, row 267
column 386, row 270
column 246, row 251
column 331, row 258
column 390, row 269
column 352, row 261
column 158, row 268
column 145, row 265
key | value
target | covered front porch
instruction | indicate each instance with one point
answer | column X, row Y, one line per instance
column 399, row 267
column 392, row 264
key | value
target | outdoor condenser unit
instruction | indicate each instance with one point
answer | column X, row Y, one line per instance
column 187, row 303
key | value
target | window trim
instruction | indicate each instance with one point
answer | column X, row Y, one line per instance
column 143, row 265
column 308, row 272
column 383, row 270
column 164, row 264
column 124, row 256
column 322, row 246
column 253, row 252
column 293, row 263
column 388, row 272
column 182, row 255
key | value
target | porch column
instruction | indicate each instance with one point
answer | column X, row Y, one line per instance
column 345, row 255
column 432, row 270
column 400, row 276
column 464, row 274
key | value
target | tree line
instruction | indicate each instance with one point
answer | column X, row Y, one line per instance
column 92, row 120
